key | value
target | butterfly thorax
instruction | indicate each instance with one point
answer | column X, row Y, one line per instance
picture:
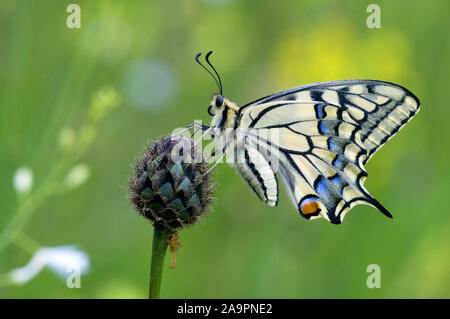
column 223, row 123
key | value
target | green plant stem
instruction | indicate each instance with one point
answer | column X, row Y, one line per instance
column 5, row 280
column 160, row 243
column 26, row 243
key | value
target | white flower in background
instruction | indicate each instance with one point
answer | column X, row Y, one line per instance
column 77, row 175
column 61, row 260
column 23, row 180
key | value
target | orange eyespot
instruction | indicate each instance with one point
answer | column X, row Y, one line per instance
column 309, row 207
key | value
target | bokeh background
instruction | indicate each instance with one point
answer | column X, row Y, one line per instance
column 90, row 98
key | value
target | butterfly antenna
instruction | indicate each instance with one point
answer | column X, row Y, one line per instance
column 218, row 76
column 218, row 85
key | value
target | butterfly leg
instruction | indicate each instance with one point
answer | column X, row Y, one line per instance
column 207, row 131
column 215, row 164
column 187, row 128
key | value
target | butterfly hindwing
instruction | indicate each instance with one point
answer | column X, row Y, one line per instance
column 314, row 181
column 326, row 133
column 257, row 172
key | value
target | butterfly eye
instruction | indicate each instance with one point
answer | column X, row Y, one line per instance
column 219, row 101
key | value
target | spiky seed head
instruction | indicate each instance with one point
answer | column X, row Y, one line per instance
column 169, row 187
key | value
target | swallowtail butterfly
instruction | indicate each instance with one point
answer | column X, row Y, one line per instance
column 326, row 133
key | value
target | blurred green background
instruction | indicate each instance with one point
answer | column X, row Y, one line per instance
column 140, row 55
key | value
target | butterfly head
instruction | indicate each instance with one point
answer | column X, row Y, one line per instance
column 217, row 103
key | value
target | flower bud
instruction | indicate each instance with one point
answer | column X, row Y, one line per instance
column 77, row 176
column 23, row 180
column 169, row 187
column 103, row 101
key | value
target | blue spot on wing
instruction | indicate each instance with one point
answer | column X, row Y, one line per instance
column 320, row 111
column 322, row 128
column 336, row 179
column 337, row 161
column 331, row 144
column 321, row 187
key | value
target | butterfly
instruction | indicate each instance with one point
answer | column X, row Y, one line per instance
column 325, row 133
